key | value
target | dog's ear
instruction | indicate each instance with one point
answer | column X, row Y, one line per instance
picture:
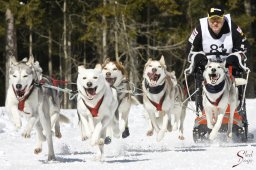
column 80, row 68
column 13, row 61
column 162, row 61
column 149, row 60
column 106, row 61
column 30, row 60
column 223, row 64
column 98, row 67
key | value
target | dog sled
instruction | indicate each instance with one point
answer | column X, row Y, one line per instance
column 240, row 127
column 240, row 124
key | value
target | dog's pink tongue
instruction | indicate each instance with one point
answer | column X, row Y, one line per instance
column 152, row 76
column 92, row 91
column 215, row 77
column 110, row 81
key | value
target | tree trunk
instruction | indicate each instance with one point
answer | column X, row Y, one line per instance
column 30, row 41
column 11, row 44
column 104, row 35
column 148, row 23
column 50, row 52
column 65, row 50
column 68, row 76
column 116, row 35
column 250, row 92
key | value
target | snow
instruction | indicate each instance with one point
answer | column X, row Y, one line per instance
column 137, row 152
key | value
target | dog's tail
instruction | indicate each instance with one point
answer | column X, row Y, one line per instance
column 240, row 81
column 63, row 118
column 135, row 101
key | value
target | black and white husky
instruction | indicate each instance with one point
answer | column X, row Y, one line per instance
column 219, row 90
column 162, row 98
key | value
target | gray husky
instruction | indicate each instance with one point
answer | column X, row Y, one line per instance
column 37, row 104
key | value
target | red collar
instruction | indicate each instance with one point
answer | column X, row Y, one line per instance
column 217, row 100
column 158, row 105
column 21, row 103
column 94, row 110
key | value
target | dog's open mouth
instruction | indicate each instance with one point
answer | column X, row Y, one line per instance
column 90, row 92
column 111, row 81
column 153, row 77
column 214, row 78
column 20, row 93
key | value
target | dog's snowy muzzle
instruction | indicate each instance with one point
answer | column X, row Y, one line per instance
column 214, row 78
column 90, row 92
column 111, row 81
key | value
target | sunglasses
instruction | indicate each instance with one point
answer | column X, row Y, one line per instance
column 216, row 18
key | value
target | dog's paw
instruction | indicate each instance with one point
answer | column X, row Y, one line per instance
column 37, row 150
column 107, row 140
column 160, row 135
column 150, row 132
column 84, row 138
column 230, row 134
column 101, row 141
column 26, row 134
column 58, row 134
column 51, row 158
column 126, row 133
column 181, row 137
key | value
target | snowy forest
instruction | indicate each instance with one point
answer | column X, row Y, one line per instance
column 63, row 34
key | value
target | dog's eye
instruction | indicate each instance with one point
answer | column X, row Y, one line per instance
column 115, row 69
column 105, row 68
column 84, row 78
column 25, row 76
column 95, row 77
column 150, row 65
column 159, row 66
column 218, row 66
column 14, row 75
column 210, row 66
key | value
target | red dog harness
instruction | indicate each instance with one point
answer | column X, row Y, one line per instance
column 158, row 105
column 21, row 103
column 94, row 110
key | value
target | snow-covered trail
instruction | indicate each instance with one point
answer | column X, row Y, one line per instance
column 135, row 152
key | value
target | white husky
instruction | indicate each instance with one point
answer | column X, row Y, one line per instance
column 35, row 103
column 96, row 106
column 162, row 96
column 114, row 72
column 219, row 90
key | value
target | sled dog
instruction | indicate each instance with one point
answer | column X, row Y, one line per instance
column 162, row 98
column 36, row 103
column 115, row 74
column 96, row 105
column 219, row 90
